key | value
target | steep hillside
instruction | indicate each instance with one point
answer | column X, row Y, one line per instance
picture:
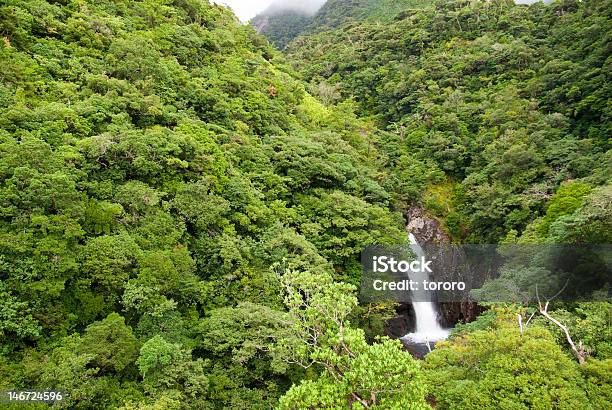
column 282, row 26
column 157, row 159
column 334, row 13
column 503, row 103
column 182, row 216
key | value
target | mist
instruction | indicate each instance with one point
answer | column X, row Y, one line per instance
column 308, row 7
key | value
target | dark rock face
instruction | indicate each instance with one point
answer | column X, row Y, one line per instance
column 455, row 312
column 428, row 231
column 418, row 351
column 403, row 323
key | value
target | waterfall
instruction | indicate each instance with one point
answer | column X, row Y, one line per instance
column 427, row 327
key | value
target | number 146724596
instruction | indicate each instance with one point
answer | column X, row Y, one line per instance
column 12, row 396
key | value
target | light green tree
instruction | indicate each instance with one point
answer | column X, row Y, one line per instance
column 500, row 368
column 353, row 374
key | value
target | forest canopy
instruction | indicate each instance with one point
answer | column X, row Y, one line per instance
column 183, row 206
column 501, row 103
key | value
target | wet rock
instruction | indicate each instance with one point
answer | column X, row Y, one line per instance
column 425, row 229
column 452, row 313
column 402, row 324
column 417, row 350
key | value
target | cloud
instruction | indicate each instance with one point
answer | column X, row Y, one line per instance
column 303, row 6
column 247, row 9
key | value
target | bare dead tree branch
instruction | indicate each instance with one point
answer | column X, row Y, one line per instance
column 579, row 351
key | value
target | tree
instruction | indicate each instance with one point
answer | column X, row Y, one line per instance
column 353, row 374
column 168, row 366
column 112, row 344
column 500, row 368
column 358, row 376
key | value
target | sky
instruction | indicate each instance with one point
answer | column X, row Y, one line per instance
column 247, row 9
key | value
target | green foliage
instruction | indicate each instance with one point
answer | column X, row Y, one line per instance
column 93, row 368
column 156, row 159
column 508, row 101
column 282, row 26
column 111, row 342
column 484, row 321
column 565, row 201
column 335, row 13
column 574, row 216
column 181, row 217
column 598, row 376
column 378, row 376
column 343, row 225
column 15, row 320
column 590, row 326
column 499, row 368
column 240, row 340
column 591, row 223
column 167, row 368
column 354, row 373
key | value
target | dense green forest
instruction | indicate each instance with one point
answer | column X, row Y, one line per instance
column 335, row 13
column 282, row 26
column 492, row 106
column 183, row 207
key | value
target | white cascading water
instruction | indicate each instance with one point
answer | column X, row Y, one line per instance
column 428, row 330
